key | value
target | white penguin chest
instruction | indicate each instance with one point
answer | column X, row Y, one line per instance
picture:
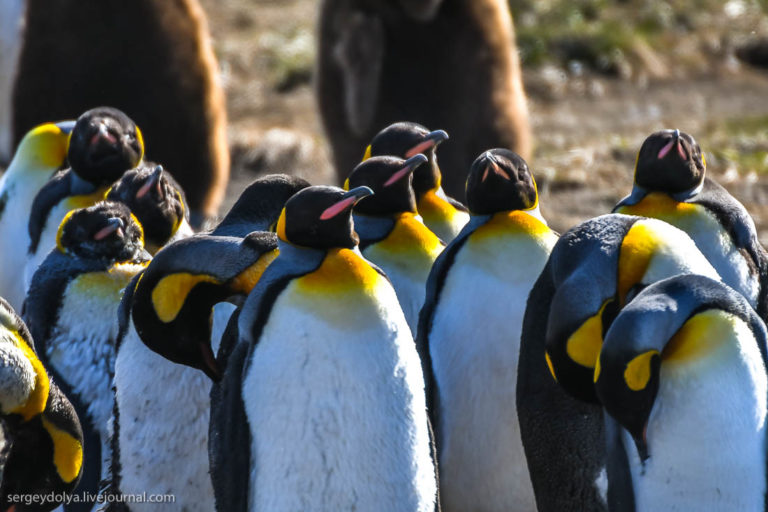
column 334, row 397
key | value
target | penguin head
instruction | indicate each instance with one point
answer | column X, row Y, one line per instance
column 106, row 231
column 45, row 145
column 670, row 161
column 499, row 180
column 104, row 144
column 260, row 204
column 405, row 140
column 155, row 198
column 421, row 10
column 320, row 217
column 390, row 179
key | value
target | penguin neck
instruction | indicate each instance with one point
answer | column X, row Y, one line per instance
column 372, row 228
column 78, row 186
column 639, row 193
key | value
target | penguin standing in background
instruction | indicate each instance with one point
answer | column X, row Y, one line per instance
column 103, row 145
column 391, row 234
column 41, row 152
column 71, row 309
column 158, row 203
column 446, row 63
column 42, row 435
column 594, row 270
column 347, row 426
column 477, row 291
column 683, row 373
column 670, row 184
column 443, row 215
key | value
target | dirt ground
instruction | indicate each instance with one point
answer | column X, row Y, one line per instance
column 587, row 128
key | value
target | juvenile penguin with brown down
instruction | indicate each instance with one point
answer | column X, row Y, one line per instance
column 450, row 64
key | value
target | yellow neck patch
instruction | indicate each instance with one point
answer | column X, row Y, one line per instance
column 246, row 280
column 36, row 401
column 659, row 206
column 638, row 371
column 67, row 452
column 367, row 154
column 169, row 294
column 550, row 365
column 637, row 249
column 512, row 222
column 700, row 336
column 280, row 229
column 583, row 346
column 411, row 237
column 342, row 271
column 434, row 209
column 60, row 231
column 86, row 200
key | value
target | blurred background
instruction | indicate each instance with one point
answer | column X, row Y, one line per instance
column 600, row 76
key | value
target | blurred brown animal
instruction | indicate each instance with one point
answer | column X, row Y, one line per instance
column 447, row 64
column 150, row 58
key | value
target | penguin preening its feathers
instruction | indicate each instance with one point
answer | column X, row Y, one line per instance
column 594, row 269
column 671, row 185
column 443, row 215
column 424, row 61
column 155, row 61
column 42, row 434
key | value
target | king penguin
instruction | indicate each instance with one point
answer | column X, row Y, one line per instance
column 71, row 309
column 392, row 236
column 103, row 145
column 43, row 439
column 670, row 184
column 443, row 215
column 682, row 376
column 40, row 153
column 325, row 377
column 157, row 201
column 477, row 291
column 168, row 317
column 594, row 270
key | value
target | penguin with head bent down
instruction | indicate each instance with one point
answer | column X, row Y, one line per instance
column 324, row 349
column 71, row 309
column 594, row 270
column 41, row 152
column 471, row 324
column 670, row 184
column 682, row 376
column 103, row 145
column 443, row 215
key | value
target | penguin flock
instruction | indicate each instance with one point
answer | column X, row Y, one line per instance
column 376, row 347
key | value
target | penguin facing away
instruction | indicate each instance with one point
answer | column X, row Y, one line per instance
column 358, row 389
column 443, row 215
column 446, row 63
column 476, row 292
column 594, row 270
column 671, row 185
column 41, row 152
column 44, row 441
column 71, row 309
column 158, row 203
column 682, row 368
column 392, row 236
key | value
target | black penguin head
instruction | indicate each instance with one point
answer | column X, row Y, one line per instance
column 155, row 198
column 106, row 232
column 499, row 180
column 670, row 161
column 321, row 217
column 260, row 204
column 104, row 144
column 405, row 140
column 390, row 179
column 421, row 10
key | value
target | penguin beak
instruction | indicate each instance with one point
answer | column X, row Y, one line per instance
column 66, row 127
column 347, row 201
column 430, row 141
column 154, row 180
column 115, row 225
column 641, row 443
column 410, row 165
column 102, row 134
column 210, row 367
column 675, row 142
column 493, row 165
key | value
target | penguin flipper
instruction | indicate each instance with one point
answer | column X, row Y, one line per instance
column 229, row 439
column 50, row 195
column 359, row 53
